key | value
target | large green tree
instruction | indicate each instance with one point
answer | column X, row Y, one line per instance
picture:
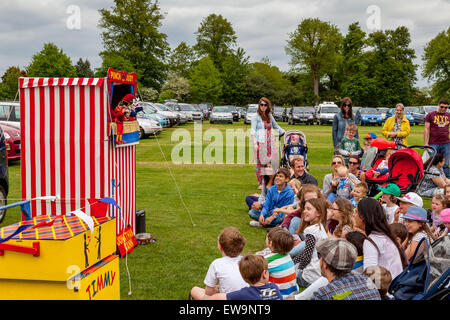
column 181, row 59
column 436, row 67
column 131, row 30
column 236, row 68
column 10, row 84
column 314, row 48
column 83, row 68
column 206, row 82
column 215, row 39
column 51, row 61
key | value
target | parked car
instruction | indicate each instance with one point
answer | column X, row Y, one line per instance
column 301, row 115
column 326, row 112
column 418, row 114
column 151, row 113
column 234, row 112
column 221, row 114
column 355, row 109
column 409, row 117
column 4, row 175
column 206, row 109
column 10, row 113
column 429, row 109
column 12, row 141
column 190, row 111
column 383, row 112
column 368, row 116
column 149, row 108
column 279, row 113
column 148, row 127
column 241, row 112
column 251, row 112
column 171, row 104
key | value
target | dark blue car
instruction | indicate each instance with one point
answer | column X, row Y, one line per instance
column 4, row 176
column 408, row 116
column 369, row 116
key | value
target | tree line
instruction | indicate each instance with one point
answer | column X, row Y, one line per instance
column 375, row 69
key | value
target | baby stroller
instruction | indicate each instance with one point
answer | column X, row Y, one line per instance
column 427, row 276
column 405, row 169
column 286, row 146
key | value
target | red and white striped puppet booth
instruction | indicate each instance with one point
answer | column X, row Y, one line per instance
column 68, row 150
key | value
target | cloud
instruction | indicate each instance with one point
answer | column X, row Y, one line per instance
column 262, row 26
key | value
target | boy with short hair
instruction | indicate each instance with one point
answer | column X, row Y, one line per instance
column 254, row 270
column 278, row 196
column 360, row 191
column 223, row 274
column 350, row 144
column 281, row 267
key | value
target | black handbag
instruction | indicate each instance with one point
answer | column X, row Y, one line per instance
column 411, row 284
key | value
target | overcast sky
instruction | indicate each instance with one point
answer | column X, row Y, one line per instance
column 262, row 26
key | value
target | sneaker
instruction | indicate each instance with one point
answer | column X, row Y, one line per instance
column 254, row 223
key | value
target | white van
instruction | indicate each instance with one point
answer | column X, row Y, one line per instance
column 326, row 112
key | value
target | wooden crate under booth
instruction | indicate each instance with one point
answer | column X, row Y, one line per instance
column 38, row 262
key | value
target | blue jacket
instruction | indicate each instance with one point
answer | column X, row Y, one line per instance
column 339, row 126
column 275, row 200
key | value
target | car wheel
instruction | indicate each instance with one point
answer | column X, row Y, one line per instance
column 141, row 133
column 2, row 203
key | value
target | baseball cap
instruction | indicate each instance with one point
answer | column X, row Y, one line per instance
column 338, row 253
column 392, row 189
column 445, row 216
column 370, row 135
column 416, row 213
column 413, row 198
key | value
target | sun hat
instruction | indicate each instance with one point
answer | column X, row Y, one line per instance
column 338, row 253
column 370, row 135
column 445, row 215
column 416, row 213
column 392, row 189
column 413, row 198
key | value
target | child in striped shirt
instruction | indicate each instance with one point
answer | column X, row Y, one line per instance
column 281, row 267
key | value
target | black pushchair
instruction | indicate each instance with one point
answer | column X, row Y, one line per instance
column 284, row 148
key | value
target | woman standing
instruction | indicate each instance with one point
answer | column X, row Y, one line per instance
column 341, row 120
column 397, row 128
column 380, row 248
column 264, row 147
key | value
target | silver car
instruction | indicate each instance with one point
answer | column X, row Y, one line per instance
column 221, row 114
column 251, row 112
column 190, row 111
column 148, row 127
column 174, row 117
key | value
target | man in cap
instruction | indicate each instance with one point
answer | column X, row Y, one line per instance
column 408, row 200
column 337, row 257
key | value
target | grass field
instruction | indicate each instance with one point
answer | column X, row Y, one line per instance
column 214, row 197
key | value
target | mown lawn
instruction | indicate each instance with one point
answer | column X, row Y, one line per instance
column 214, row 198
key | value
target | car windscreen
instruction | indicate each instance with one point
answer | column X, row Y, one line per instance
column 278, row 109
column 369, row 111
column 146, row 108
column 161, row 107
column 330, row 110
column 412, row 109
column 186, row 107
column 221, row 109
column 251, row 110
column 430, row 109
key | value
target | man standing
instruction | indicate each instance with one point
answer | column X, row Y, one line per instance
column 337, row 258
column 298, row 164
column 436, row 132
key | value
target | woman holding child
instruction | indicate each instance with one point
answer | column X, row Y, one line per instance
column 264, row 147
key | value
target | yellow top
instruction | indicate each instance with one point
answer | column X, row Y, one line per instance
column 404, row 129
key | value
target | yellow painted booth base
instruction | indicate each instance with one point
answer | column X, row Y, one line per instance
column 65, row 246
column 99, row 282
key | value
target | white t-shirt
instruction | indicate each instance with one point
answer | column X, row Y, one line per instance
column 225, row 272
column 388, row 257
column 312, row 271
column 389, row 211
column 418, row 236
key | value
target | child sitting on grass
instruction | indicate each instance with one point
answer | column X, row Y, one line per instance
column 360, row 191
column 278, row 196
column 254, row 270
column 343, row 185
column 438, row 203
column 390, row 192
column 350, row 144
column 281, row 267
column 223, row 274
